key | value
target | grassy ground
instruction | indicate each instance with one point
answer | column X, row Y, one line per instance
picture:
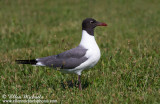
column 129, row 69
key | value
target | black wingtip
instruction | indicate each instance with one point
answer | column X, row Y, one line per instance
column 32, row 62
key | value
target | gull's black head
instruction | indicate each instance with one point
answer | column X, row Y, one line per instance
column 89, row 24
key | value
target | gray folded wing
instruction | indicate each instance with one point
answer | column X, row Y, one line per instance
column 66, row 60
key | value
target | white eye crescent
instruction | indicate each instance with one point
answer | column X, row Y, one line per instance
column 91, row 22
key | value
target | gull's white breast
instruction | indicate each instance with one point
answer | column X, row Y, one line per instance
column 93, row 52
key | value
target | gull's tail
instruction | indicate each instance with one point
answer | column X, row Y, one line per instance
column 32, row 62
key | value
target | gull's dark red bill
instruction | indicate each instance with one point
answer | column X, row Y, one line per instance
column 101, row 24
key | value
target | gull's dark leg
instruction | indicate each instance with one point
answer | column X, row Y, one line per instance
column 79, row 80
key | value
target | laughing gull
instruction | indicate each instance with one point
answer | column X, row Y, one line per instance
column 75, row 60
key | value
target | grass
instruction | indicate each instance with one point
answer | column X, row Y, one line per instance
column 128, row 71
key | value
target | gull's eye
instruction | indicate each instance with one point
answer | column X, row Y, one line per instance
column 91, row 22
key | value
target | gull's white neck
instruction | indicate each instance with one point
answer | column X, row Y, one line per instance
column 88, row 41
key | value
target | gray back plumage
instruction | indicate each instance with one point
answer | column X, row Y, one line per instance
column 66, row 60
